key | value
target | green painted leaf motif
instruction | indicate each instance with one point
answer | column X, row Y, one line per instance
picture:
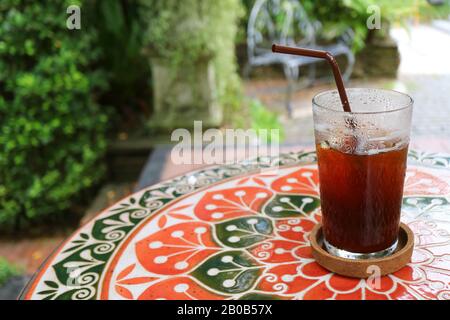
column 47, row 292
column 434, row 159
column 244, row 232
column 118, row 223
column 437, row 208
column 229, row 272
column 73, row 248
column 77, row 264
column 147, row 199
column 78, row 243
column 84, row 236
column 308, row 157
column 284, row 206
column 51, row 284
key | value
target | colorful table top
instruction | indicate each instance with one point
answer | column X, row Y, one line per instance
column 241, row 232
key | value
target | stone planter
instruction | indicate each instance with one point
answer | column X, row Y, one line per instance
column 183, row 95
column 380, row 57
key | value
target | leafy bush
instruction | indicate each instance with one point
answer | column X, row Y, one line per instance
column 7, row 271
column 52, row 133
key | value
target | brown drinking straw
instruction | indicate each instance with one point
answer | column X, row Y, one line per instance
column 321, row 55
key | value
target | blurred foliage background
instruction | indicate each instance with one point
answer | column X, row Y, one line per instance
column 52, row 130
column 65, row 94
column 120, row 26
column 336, row 16
column 7, row 270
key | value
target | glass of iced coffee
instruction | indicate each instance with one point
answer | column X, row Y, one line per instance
column 362, row 163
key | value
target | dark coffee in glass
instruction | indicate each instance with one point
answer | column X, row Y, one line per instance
column 362, row 164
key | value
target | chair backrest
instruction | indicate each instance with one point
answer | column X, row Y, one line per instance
column 278, row 21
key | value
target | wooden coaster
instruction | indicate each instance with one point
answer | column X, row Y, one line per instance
column 359, row 268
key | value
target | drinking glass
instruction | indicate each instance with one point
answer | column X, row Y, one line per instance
column 362, row 163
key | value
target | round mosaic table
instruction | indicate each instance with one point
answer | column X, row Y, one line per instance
column 241, row 232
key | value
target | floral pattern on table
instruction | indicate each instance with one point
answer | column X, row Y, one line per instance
column 238, row 232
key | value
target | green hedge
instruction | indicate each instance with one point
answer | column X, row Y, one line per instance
column 52, row 132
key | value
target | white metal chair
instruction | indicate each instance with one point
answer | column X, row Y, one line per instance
column 285, row 22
